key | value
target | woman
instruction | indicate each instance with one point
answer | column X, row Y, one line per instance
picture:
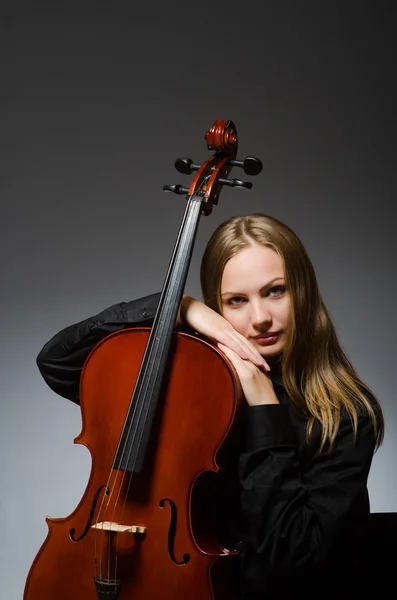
column 312, row 425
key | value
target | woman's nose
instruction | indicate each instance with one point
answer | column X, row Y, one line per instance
column 260, row 314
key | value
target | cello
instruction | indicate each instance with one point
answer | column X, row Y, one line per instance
column 145, row 526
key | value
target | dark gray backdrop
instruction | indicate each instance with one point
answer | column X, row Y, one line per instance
column 97, row 101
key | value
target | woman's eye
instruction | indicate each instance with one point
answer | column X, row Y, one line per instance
column 277, row 290
column 235, row 301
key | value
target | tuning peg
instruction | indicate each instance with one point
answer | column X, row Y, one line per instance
column 186, row 166
column 236, row 183
column 176, row 189
column 250, row 164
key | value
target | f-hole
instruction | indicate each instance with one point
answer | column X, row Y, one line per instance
column 172, row 532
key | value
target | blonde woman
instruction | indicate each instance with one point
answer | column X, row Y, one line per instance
column 311, row 423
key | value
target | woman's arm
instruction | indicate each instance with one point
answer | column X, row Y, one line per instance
column 62, row 358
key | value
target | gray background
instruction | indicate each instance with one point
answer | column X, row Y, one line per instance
column 96, row 104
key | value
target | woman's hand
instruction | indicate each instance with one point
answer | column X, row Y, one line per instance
column 206, row 321
column 257, row 385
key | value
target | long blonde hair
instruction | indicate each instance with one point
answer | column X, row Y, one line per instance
column 318, row 376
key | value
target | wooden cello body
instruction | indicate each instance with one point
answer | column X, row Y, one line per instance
column 174, row 549
column 159, row 418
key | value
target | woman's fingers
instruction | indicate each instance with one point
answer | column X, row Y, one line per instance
column 244, row 349
column 252, row 353
column 256, row 385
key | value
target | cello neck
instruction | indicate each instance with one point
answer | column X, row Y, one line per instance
column 139, row 421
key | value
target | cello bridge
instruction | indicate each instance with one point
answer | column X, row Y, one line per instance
column 117, row 528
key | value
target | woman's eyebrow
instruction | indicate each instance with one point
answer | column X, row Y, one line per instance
column 269, row 283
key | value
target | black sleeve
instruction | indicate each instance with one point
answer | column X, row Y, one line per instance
column 62, row 358
column 293, row 514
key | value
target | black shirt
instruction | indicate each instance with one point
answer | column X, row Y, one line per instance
column 297, row 504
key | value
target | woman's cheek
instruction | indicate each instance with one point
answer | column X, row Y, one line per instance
column 235, row 320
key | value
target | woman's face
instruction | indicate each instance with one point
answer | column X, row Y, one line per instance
column 255, row 300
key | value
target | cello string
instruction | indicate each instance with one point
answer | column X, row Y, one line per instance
column 128, row 448
column 142, row 416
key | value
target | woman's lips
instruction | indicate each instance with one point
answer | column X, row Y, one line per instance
column 267, row 339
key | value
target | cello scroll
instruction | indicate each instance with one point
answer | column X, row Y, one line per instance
column 213, row 174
